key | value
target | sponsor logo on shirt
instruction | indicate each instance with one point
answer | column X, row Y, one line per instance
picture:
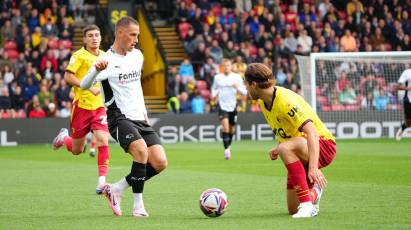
column 125, row 78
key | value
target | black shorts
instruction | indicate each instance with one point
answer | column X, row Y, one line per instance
column 407, row 108
column 232, row 116
column 126, row 131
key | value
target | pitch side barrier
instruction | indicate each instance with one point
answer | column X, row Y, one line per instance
column 205, row 128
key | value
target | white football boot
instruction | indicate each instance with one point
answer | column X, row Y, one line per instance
column 305, row 210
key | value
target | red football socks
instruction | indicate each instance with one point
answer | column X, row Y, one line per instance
column 298, row 179
column 102, row 160
column 68, row 142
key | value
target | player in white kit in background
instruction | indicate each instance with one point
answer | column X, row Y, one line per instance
column 119, row 72
column 404, row 83
column 224, row 90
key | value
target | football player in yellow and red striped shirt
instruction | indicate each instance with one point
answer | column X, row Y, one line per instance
column 88, row 112
column 305, row 143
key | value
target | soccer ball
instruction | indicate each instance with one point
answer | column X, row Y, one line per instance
column 213, row 202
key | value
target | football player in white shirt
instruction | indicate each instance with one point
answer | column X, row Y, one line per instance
column 119, row 72
column 224, row 90
column 404, row 83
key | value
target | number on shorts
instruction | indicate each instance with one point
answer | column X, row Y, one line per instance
column 103, row 120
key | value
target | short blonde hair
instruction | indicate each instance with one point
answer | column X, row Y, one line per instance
column 125, row 21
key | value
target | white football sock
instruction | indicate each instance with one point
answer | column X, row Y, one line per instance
column 121, row 185
column 138, row 200
column 101, row 180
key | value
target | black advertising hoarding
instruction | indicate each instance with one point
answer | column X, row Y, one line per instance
column 174, row 128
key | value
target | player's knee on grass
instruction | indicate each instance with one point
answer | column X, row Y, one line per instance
column 292, row 201
column 77, row 150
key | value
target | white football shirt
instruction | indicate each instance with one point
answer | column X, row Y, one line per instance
column 223, row 88
column 121, row 84
column 405, row 79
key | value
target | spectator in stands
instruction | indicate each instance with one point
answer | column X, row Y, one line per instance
column 7, row 74
column 281, row 77
column 50, row 109
column 49, row 30
column 216, row 51
column 65, row 30
column 239, row 66
column 7, row 31
column 348, row 43
column 36, row 37
column 35, row 110
column 66, row 110
column 17, row 100
column 30, row 89
column 44, row 95
column 62, row 94
column 381, row 101
column 342, row 82
column 208, row 68
column 199, row 56
column 186, row 71
column 198, row 104
column 33, row 21
column 305, row 41
column 185, row 103
column 348, row 96
column 52, row 59
column 5, row 102
column 291, row 42
column 377, row 39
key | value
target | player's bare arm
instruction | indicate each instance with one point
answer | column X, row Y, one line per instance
column 314, row 174
column 403, row 87
column 273, row 153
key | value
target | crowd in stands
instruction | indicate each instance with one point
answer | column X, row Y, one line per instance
column 274, row 31
column 36, row 42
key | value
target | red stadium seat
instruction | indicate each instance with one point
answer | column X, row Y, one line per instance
column 326, row 108
column 53, row 44
column 183, row 29
column 67, row 44
column 10, row 45
column 201, row 85
column 205, row 93
column 352, row 107
column 12, row 54
column 337, row 108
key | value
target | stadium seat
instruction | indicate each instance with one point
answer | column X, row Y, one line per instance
column 206, row 94
column 10, row 45
column 342, row 15
column 338, row 107
column 352, row 107
column 201, row 85
column 12, row 54
column 326, row 108
column 67, row 44
column 53, row 44
column 183, row 29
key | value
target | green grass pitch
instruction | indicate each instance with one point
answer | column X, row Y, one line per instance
column 369, row 187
